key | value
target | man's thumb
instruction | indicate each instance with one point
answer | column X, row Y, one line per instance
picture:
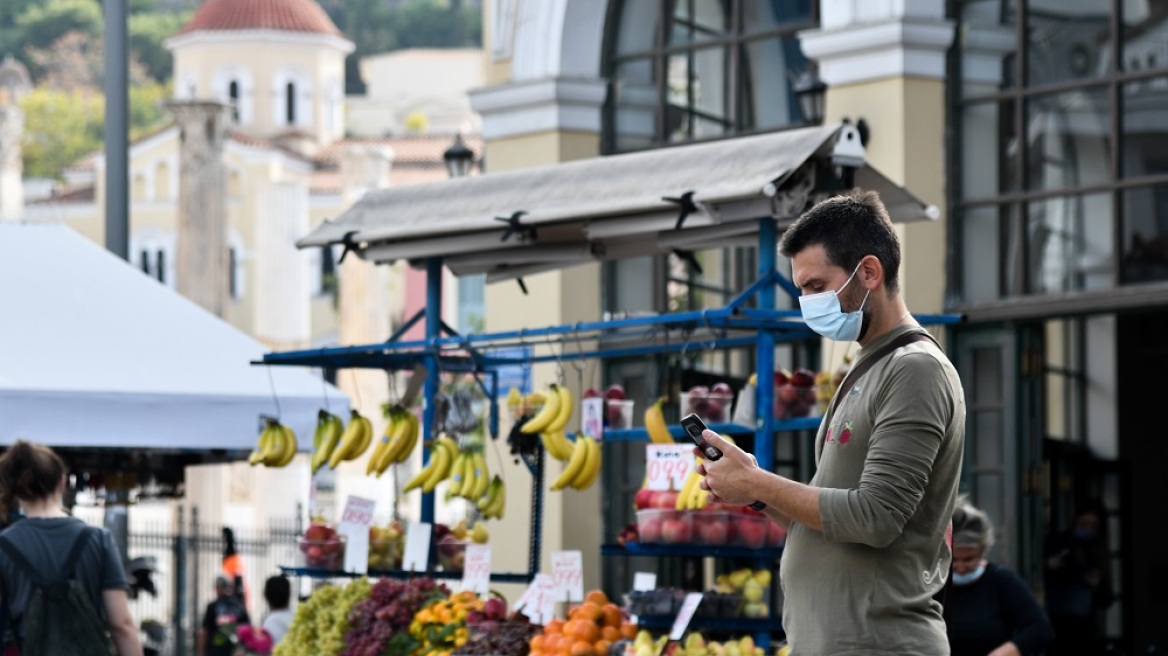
column 715, row 440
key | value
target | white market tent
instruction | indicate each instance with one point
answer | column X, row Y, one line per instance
column 94, row 353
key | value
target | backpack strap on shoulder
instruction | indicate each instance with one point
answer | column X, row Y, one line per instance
column 21, row 561
column 80, row 543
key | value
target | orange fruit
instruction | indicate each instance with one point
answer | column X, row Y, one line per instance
column 610, row 633
column 597, row 597
column 538, row 643
column 591, row 611
column 612, row 615
column 585, row 630
column 582, row 648
column 601, row 647
column 564, row 648
column 555, row 627
column 628, row 630
column 570, row 627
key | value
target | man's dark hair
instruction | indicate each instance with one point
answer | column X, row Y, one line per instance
column 278, row 592
column 848, row 226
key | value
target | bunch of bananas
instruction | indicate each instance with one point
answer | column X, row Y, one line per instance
column 692, row 496
column 550, row 422
column 276, row 446
column 329, row 429
column 352, row 442
column 397, row 443
column 469, row 477
column 491, row 504
column 443, row 455
column 583, row 466
column 655, row 423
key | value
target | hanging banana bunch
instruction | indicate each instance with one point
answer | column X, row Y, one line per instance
column 583, row 466
column 354, row 441
column 329, row 429
column 397, row 443
column 276, row 446
column 443, row 455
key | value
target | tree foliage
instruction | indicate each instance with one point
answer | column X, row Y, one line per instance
column 376, row 27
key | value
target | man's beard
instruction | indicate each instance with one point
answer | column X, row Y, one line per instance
column 854, row 302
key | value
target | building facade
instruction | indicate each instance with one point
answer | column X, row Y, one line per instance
column 1034, row 124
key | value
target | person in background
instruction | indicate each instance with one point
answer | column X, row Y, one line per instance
column 989, row 611
column 278, row 593
column 224, row 616
column 34, row 476
column 1078, row 584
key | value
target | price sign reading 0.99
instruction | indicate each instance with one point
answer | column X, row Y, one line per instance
column 667, row 465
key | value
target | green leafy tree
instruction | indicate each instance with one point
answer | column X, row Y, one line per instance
column 148, row 32
column 43, row 23
column 59, row 128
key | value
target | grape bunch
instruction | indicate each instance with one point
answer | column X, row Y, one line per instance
column 508, row 638
column 320, row 624
column 388, row 611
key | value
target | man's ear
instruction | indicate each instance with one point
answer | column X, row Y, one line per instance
column 871, row 272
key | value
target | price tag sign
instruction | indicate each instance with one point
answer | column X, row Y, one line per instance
column 539, row 600
column 355, row 521
column 592, row 417
column 417, row 556
column 688, row 608
column 667, row 465
column 476, row 570
column 644, row 582
column 568, row 573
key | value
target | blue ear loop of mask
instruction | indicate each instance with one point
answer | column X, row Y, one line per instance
column 823, row 314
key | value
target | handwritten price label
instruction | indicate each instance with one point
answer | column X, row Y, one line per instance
column 358, row 511
column 476, row 570
column 539, row 601
column 568, row 573
column 667, row 465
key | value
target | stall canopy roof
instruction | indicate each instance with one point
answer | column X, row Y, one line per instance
column 609, row 207
column 94, row 353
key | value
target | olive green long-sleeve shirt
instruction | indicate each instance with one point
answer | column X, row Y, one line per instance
column 889, row 460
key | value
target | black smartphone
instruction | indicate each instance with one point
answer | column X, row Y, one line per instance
column 694, row 426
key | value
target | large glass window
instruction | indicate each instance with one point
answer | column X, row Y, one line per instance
column 688, row 70
column 1060, row 164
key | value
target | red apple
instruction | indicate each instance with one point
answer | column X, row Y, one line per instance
column 751, row 532
column 788, row 393
column 803, row 378
column 714, row 531
column 714, row 411
column 776, row 535
column 644, row 498
column 676, row 531
column 318, row 533
column 782, row 376
column 614, row 414
column 495, row 609
column 615, row 393
column 592, row 393
column 649, row 527
column 722, row 389
column 665, row 500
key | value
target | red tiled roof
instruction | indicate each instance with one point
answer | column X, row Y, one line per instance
column 284, row 15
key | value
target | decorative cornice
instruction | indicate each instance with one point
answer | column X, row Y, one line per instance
column 530, row 107
column 907, row 47
column 250, row 37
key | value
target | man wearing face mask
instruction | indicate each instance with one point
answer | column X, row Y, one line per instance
column 867, row 542
column 1078, row 584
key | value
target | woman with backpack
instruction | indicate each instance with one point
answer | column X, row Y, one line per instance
column 62, row 582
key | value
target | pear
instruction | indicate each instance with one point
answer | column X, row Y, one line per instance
column 459, row 531
column 746, row 646
column 645, row 650
column 480, row 535
column 695, row 641
column 738, row 579
column 763, row 576
column 732, row 649
column 753, row 591
column 643, row 639
column 716, row 649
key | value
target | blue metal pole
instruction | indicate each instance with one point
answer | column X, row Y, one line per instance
column 433, row 327
column 764, row 436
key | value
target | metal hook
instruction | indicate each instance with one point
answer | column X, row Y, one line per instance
column 579, row 364
column 559, row 359
column 275, row 397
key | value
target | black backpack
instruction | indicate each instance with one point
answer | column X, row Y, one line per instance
column 60, row 619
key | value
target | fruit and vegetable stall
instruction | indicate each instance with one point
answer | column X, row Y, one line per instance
column 673, row 519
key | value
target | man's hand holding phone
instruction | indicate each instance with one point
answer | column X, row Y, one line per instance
column 728, row 470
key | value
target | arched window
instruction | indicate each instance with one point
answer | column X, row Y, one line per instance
column 233, row 99
column 162, row 181
column 688, row 70
column 138, row 191
column 290, row 103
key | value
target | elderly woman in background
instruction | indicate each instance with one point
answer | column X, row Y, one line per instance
column 989, row 611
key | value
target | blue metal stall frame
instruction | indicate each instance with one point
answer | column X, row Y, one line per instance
column 443, row 349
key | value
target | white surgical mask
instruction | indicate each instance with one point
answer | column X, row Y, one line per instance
column 823, row 314
column 969, row 577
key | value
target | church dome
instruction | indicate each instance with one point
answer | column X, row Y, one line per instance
column 282, row 15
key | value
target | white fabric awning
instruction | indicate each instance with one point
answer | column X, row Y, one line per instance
column 609, row 207
column 94, row 353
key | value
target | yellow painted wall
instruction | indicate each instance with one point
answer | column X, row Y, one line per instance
column 494, row 72
column 906, row 117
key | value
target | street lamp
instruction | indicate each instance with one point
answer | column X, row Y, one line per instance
column 458, row 158
column 810, row 90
